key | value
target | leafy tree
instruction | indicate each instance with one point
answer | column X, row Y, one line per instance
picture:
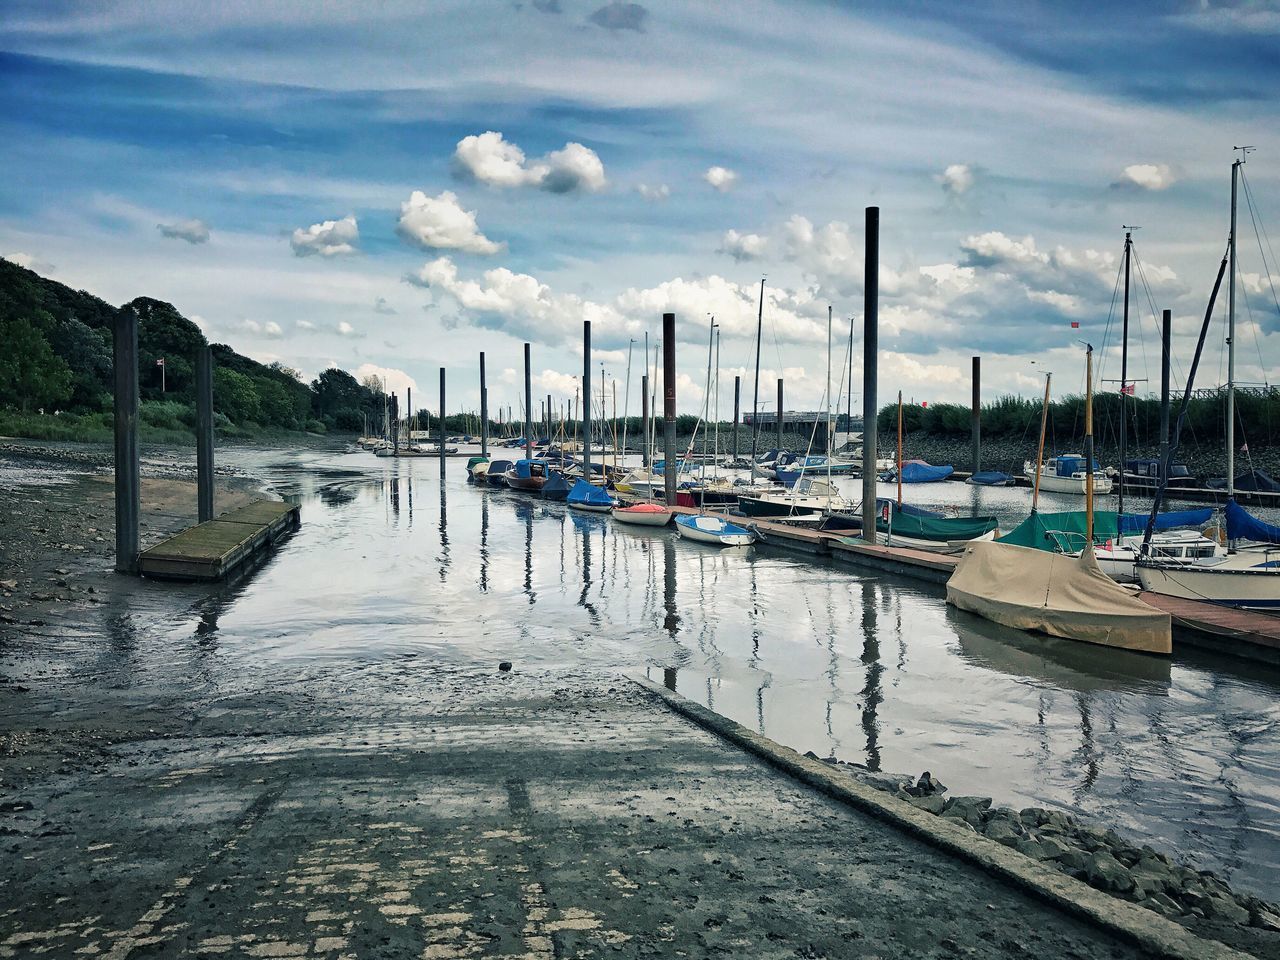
column 31, row 374
column 234, row 395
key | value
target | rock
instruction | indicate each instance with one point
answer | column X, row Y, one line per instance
column 1226, row 908
column 1107, row 873
column 926, row 786
column 1161, row 904
column 504, row 666
column 9, row 584
column 1056, row 822
column 889, row 783
column 1032, row 848
column 1073, row 860
column 1265, row 919
column 1091, row 838
column 968, row 809
column 933, row 805
column 15, row 806
column 1152, row 876
column 1002, row 831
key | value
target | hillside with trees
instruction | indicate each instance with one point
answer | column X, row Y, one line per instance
column 55, row 372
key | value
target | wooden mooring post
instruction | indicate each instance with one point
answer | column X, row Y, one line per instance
column 669, row 405
column 127, row 469
column 870, row 347
column 204, row 433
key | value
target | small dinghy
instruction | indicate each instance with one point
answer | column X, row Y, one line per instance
column 643, row 515
column 992, row 478
column 706, row 529
column 587, row 496
column 477, row 468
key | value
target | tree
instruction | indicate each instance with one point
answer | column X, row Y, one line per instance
column 31, row 374
column 235, row 397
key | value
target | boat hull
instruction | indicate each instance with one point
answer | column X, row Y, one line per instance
column 590, row 507
column 527, row 484
column 1224, row 583
column 644, row 518
column 714, row 531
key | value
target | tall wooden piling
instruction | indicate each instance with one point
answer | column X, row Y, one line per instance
column 1166, row 333
column 128, row 474
column 528, row 406
column 550, row 419
column 644, row 420
column 484, row 411
column 737, row 412
column 669, row 405
column 870, row 348
column 975, row 419
column 442, row 429
column 204, row 433
column 779, row 413
column 586, row 399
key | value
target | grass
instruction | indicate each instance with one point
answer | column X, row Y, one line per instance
column 159, row 421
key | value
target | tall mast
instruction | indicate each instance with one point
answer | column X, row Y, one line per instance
column 755, row 401
column 899, row 448
column 1231, row 333
column 626, row 402
column 1088, row 449
column 828, row 411
column 1044, row 422
column 1124, row 372
column 849, row 388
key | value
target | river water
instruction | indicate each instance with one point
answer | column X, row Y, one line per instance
column 391, row 561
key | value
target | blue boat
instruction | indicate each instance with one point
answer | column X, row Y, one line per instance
column 589, row 497
column 992, row 478
column 917, row 471
column 557, row 488
column 497, row 475
column 713, row 530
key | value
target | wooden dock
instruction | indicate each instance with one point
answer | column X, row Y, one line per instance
column 1248, row 634
column 224, row 546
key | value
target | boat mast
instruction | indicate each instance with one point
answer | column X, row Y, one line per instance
column 1124, row 372
column 849, row 389
column 626, row 403
column 827, row 394
column 706, row 400
column 1231, row 330
column 1044, row 422
column 1088, row 448
column 899, row 448
column 755, row 401
column 715, row 447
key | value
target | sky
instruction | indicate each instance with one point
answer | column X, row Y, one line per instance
column 393, row 187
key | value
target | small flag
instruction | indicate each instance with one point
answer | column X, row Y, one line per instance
column 1075, row 324
column 1128, row 388
column 160, row 362
column 924, row 403
column 1244, row 448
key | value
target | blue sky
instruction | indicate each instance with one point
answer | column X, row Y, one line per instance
column 397, row 186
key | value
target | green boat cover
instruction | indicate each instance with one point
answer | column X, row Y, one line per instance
column 1061, row 532
column 940, row 529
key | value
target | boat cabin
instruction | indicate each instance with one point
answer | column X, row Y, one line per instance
column 1148, row 470
column 527, row 469
column 1070, row 465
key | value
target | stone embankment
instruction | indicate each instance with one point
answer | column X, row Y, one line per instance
column 1102, row 858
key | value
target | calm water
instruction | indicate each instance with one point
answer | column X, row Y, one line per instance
column 391, row 561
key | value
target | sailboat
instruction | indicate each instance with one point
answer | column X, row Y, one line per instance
column 1249, row 574
column 1053, row 593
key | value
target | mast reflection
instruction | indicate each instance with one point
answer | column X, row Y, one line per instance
column 872, row 695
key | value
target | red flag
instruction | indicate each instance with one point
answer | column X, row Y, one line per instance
column 924, row 403
column 1075, row 324
column 1128, row 388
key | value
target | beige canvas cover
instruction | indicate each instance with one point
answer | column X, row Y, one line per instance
column 1055, row 594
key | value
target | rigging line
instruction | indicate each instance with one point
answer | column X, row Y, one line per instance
column 1106, row 333
column 1248, row 309
column 1256, row 220
column 1155, row 314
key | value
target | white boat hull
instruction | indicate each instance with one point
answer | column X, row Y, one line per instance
column 591, row 507
column 936, row 546
column 1235, row 581
column 1074, row 484
column 713, row 537
column 643, row 519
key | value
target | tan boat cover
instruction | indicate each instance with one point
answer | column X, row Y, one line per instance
column 1055, row 594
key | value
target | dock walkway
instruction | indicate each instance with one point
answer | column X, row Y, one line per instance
column 405, row 811
column 217, row 548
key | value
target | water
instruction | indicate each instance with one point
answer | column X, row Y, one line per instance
column 393, row 562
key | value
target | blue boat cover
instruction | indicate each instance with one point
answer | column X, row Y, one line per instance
column 1137, row 522
column 917, row 471
column 557, row 488
column 1251, row 481
column 991, row 478
column 521, row 467
column 584, row 492
column 1242, row 525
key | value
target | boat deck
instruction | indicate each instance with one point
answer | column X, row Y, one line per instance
column 217, row 548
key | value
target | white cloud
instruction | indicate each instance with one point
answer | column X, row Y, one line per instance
column 272, row 329
column 491, row 159
column 332, row 238
column 956, row 180
column 441, row 223
column 193, row 231
column 1146, row 176
column 397, row 381
column 722, row 178
column 994, row 247
column 743, row 246
column 304, row 324
column 345, row 329
column 654, row 192
column 29, row 262
column 269, row 329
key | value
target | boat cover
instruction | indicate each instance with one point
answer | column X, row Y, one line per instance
column 941, row 529
column 1242, row 525
column 990, row 478
column 1056, row 594
column 917, row 471
column 1055, row 532
column 1137, row 522
column 584, row 492
column 1252, row 481
column 556, row 488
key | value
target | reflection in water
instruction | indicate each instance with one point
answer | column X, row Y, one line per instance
column 872, row 668
column 871, row 695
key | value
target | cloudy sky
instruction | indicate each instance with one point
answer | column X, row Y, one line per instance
column 396, row 186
